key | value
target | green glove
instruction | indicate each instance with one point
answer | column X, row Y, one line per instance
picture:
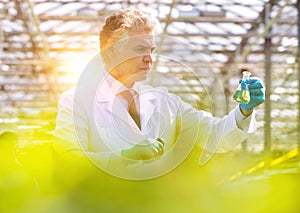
column 257, row 92
column 148, row 149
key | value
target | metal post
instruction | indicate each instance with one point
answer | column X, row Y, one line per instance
column 267, row 127
column 298, row 61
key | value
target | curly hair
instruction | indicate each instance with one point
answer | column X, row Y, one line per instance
column 118, row 24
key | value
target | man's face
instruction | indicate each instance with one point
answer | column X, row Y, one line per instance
column 131, row 60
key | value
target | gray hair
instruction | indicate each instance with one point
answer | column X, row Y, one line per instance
column 118, row 24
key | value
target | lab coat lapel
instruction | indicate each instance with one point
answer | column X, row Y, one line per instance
column 147, row 107
column 112, row 105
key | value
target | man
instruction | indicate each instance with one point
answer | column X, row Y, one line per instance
column 124, row 126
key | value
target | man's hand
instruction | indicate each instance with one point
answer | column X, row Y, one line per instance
column 146, row 150
column 257, row 95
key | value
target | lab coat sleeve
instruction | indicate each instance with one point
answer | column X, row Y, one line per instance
column 65, row 128
column 70, row 140
column 211, row 133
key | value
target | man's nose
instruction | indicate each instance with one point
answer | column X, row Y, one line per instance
column 147, row 59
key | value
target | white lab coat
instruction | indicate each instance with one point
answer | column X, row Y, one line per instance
column 92, row 119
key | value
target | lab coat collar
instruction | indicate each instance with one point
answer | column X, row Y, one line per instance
column 147, row 99
column 105, row 95
column 108, row 87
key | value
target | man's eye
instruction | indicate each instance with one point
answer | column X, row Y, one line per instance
column 141, row 50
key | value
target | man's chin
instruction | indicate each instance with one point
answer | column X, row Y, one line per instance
column 141, row 76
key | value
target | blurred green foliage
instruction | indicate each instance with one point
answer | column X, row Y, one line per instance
column 34, row 178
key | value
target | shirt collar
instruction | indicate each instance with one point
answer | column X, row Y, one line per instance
column 112, row 87
column 115, row 85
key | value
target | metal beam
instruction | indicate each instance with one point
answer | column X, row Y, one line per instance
column 217, row 20
column 298, row 60
column 185, row 35
column 268, row 83
column 165, row 50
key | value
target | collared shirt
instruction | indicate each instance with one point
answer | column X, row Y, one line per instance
column 117, row 87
